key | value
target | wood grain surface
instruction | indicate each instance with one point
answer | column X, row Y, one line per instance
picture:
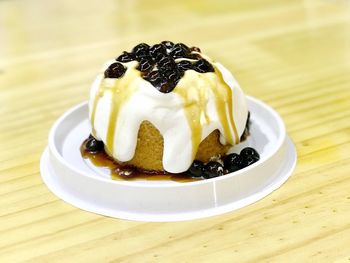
column 294, row 55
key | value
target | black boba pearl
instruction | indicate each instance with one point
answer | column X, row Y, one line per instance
column 166, row 63
column 182, row 46
column 203, row 66
column 180, row 73
column 154, row 77
column 126, row 57
column 196, row 169
column 195, row 49
column 184, row 65
column 171, row 75
column 168, row 44
column 146, row 57
column 159, row 56
column 115, row 70
column 162, row 56
column 178, row 52
column 194, row 56
column 166, row 86
column 250, row 152
column 157, row 50
column 145, row 65
column 165, row 60
column 141, row 50
column 248, row 161
column 233, row 162
column 140, row 47
column 93, row 146
column 213, row 169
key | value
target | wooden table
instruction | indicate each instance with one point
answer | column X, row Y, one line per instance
column 294, row 55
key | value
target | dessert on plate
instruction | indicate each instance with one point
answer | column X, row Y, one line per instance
column 168, row 108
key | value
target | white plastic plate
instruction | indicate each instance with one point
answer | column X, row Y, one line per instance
column 80, row 183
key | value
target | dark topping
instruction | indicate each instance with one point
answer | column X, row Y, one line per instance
column 184, row 65
column 249, row 152
column 158, row 50
column 203, row 66
column 183, row 46
column 195, row 49
column 166, row 63
column 154, row 77
column 213, row 169
column 233, row 162
column 196, row 169
column 159, row 57
column 166, row 87
column 171, row 75
column 115, row 70
column 140, row 51
column 180, row 51
column 126, row 57
column 248, row 161
column 168, row 44
column 162, row 58
column 93, row 146
column 145, row 65
column 195, row 56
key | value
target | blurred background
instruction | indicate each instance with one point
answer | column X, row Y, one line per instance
column 293, row 55
column 50, row 51
column 263, row 42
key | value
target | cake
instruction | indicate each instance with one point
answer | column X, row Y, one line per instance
column 167, row 108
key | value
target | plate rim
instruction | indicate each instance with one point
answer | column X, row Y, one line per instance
column 289, row 164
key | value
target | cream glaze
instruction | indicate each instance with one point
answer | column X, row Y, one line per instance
column 199, row 104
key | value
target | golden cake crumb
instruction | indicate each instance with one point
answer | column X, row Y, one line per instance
column 149, row 149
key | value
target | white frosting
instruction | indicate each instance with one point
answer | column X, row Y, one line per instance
column 166, row 111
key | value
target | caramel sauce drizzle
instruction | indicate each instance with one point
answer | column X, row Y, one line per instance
column 229, row 101
column 193, row 112
column 195, row 105
column 122, row 90
column 119, row 95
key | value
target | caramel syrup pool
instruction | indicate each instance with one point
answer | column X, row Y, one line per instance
column 122, row 172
